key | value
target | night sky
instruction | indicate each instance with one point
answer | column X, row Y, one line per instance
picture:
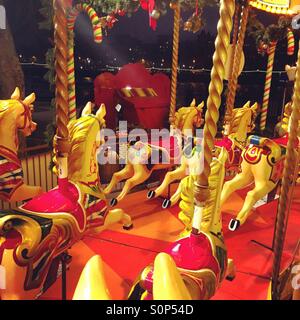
column 23, row 17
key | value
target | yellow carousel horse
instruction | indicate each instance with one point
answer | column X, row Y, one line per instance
column 191, row 268
column 242, row 123
column 138, row 169
column 262, row 164
column 34, row 236
column 15, row 116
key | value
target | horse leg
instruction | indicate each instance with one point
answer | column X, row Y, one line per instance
column 252, row 197
column 141, row 174
column 25, row 192
column 174, row 199
column 116, row 216
column 171, row 176
column 240, row 181
column 117, row 177
column 231, row 270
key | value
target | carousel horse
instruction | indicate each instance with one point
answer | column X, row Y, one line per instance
column 191, row 268
column 201, row 259
column 38, row 232
column 281, row 127
column 241, row 124
column 138, row 169
column 262, row 164
column 15, row 116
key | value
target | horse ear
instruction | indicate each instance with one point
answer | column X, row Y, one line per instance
column 101, row 113
column 247, row 105
column 29, row 99
column 92, row 284
column 87, row 109
column 193, row 103
column 167, row 281
column 254, row 107
column 16, row 94
column 200, row 106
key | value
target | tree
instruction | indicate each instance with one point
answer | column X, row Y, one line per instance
column 11, row 73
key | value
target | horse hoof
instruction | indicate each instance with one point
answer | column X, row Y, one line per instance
column 166, row 204
column 128, row 227
column 113, row 202
column 151, row 194
column 234, row 224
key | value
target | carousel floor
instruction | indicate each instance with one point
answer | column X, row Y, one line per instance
column 126, row 253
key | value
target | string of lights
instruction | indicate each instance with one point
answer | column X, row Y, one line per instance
column 167, row 70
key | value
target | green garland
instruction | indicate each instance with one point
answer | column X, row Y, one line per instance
column 265, row 35
column 130, row 6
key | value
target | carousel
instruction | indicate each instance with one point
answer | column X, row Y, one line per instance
column 223, row 222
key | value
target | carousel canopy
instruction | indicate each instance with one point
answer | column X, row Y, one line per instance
column 288, row 7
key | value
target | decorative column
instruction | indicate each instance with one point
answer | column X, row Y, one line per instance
column 61, row 139
column 176, row 33
column 287, row 181
column 236, row 65
column 201, row 187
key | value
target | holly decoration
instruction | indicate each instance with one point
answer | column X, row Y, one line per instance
column 265, row 36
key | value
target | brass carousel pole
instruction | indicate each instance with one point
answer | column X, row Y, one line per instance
column 287, row 181
column 176, row 33
column 234, row 42
column 61, row 140
column 201, row 187
column 236, row 64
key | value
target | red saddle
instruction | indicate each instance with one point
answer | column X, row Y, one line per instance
column 56, row 201
column 194, row 253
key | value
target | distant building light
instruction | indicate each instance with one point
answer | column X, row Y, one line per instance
column 194, row 61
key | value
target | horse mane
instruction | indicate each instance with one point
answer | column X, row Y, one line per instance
column 237, row 115
column 180, row 116
column 215, row 186
column 78, row 131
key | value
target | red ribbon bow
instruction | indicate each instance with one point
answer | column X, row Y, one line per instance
column 149, row 5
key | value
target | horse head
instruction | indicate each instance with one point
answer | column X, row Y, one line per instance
column 189, row 118
column 243, row 121
column 23, row 109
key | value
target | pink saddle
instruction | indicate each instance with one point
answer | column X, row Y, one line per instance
column 56, row 201
column 194, row 253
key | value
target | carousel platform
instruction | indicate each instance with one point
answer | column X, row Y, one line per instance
column 126, row 253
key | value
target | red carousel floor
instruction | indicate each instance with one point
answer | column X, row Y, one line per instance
column 126, row 253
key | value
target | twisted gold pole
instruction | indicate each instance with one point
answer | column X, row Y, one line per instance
column 287, row 181
column 61, row 142
column 176, row 33
column 214, row 98
column 234, row 41
column 236, row 64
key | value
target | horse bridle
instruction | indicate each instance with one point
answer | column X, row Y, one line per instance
column 26, row 114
